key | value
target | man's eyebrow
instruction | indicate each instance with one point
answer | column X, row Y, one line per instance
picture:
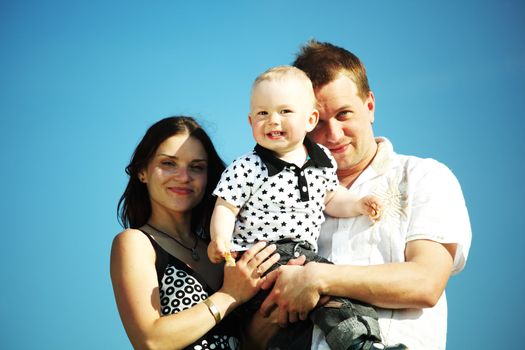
column 345, row 106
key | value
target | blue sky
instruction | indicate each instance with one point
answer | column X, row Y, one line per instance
column 80, row 81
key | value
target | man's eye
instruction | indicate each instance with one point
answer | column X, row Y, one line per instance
column 344, row 115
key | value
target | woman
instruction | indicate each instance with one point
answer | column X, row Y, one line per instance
column 163, row 281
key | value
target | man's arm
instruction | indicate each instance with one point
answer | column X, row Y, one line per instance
column 416, row 283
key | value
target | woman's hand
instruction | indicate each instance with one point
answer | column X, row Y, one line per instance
column 261, row 327
column 243, row 280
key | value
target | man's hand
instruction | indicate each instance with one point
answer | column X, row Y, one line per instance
column 294, row 292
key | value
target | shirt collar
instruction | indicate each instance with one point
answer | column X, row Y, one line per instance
column 317, row 157
column 382, row 162
column 384, row 156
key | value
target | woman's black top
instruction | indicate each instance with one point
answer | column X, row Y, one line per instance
column 181, row 288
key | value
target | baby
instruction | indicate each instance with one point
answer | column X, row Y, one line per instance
column 281, row 189
column 278, row 193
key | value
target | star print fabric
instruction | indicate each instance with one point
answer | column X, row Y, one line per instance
column 271, row 208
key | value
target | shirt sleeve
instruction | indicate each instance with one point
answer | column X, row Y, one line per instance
column 236, row 182
column 438, row 210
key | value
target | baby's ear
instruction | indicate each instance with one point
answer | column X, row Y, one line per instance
column 313, row 118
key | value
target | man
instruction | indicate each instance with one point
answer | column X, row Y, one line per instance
column 402, row 263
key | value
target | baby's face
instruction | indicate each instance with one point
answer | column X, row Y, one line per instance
column 281, row 113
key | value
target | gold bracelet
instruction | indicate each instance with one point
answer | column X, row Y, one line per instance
column 213, row 309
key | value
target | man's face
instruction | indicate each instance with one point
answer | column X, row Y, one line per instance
column 345, row 123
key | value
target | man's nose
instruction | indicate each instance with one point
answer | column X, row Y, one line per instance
column 333, row 131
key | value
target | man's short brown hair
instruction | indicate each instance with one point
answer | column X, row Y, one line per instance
column 323, row 62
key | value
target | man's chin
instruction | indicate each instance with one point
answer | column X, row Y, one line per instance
column 344, row 162
column 341, row 158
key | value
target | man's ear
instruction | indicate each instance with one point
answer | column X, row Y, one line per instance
column 371, row 106
column 312, row 121
column 249, row 119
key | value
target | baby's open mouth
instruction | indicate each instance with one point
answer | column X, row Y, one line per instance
column 275, row 133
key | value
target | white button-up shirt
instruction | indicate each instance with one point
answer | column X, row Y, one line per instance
column 422, row 200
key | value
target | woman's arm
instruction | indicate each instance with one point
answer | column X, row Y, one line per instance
column 136, row 291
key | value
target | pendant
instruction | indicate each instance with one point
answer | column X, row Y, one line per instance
column 195, row 255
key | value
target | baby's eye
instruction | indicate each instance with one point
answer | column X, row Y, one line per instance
column 286, row 111
column 262, row 113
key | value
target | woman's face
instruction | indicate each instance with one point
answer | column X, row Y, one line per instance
column 176, row 176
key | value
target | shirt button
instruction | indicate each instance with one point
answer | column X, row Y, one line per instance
column 296, row 254
column 302, row 173
column 303, row 189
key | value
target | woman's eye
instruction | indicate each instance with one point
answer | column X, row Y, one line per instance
column 167, row 163
column 198, row 168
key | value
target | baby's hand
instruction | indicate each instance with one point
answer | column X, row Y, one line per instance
column 230, row 261
column 217, row 251
column 371, row 206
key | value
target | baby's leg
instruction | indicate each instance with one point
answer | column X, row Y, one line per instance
column 344, row 321
column 348, row 323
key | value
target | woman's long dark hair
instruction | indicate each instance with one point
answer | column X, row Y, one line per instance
column 134, row 207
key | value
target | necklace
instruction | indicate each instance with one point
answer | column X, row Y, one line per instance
column 194, row 254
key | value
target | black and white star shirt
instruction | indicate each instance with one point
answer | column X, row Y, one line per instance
column 278, row 200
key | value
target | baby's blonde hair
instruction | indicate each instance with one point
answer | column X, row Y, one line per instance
column 286, row 72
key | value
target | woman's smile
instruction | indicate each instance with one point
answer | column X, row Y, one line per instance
column 181, row 190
